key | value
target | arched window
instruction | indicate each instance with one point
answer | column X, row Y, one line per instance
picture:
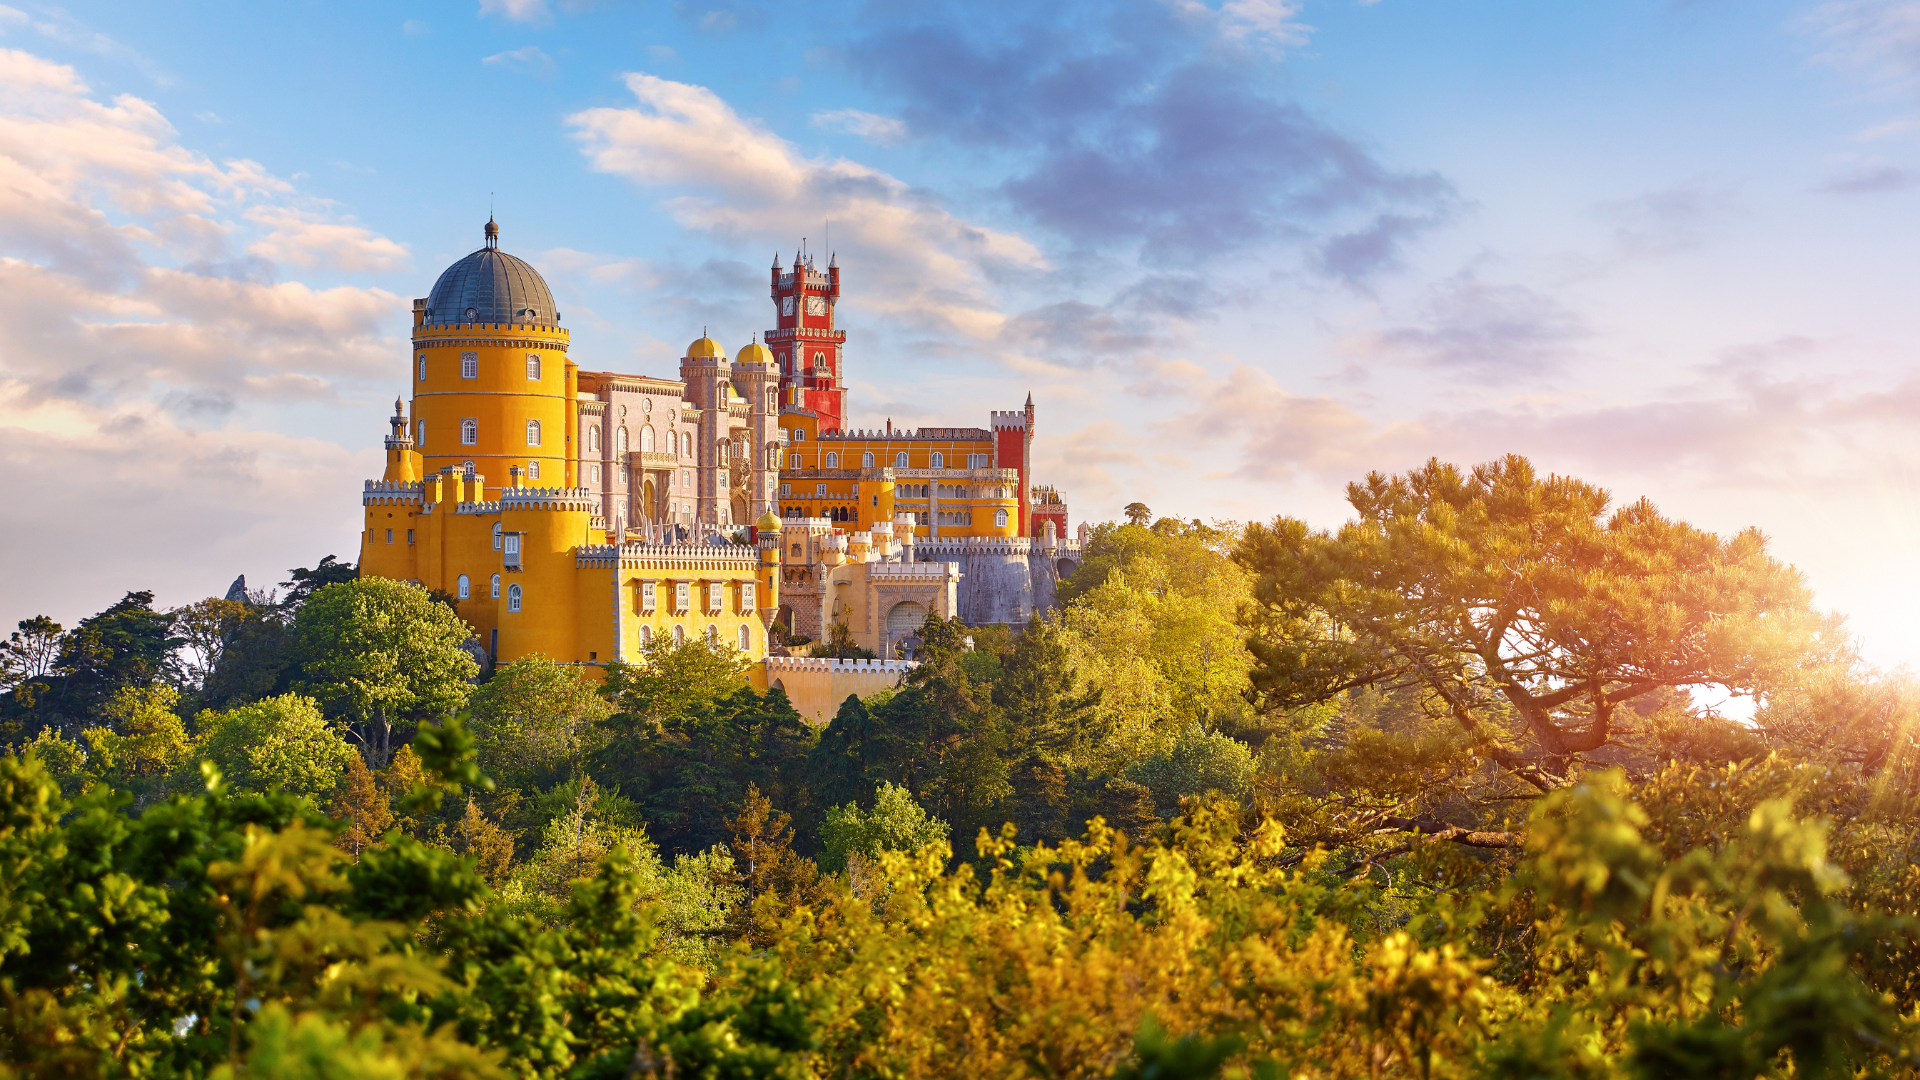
column 799, row 434
column 646, row 439
column 679, row 635
column 423, row 367
column 463, row 589
column 421, row 438
column 713, row 635
column 513, row 598
column 832, row 462
column 773, row 457
column 469, row 432
column 900, row 460
column 646, row 635
column 467, row 467
column 999, row 519
column 469, row 365
column 594, row 473
column 533, row 433
column 939, row 461
column 746, row 640
column 796, row 551
column 620, row 440
column 686, row 444
column 496, row 586
column 533, row 470
column 593, row 440
column 533, row 367
column 496, row 536
column 866, row 460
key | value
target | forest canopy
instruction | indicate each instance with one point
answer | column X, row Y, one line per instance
column 1427, row 795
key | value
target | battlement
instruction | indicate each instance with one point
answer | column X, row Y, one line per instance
column 913, row 571
column 392, row 493
column 784, row 664
column 904, row 434
column 691, row 558
column 1008, row 421
column 477, row 508
column 525, row 498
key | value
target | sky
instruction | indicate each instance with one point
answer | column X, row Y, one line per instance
column 1241, row 252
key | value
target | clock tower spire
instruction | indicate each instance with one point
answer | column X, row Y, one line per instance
column 805, row 344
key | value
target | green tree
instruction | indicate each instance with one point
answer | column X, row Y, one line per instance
column 1197, row 764
column 1505, row 594
column 668, row 680
column 204, row 628
column 281, row 741
column 896, row 823
column 257, row 660
column 142, row 745
column 536, row 721
column 302, row 582
column 362, row 808
column 1137, row 513
column 377, row 651
column 29, row 652
column 127, row 645
column 775, row 879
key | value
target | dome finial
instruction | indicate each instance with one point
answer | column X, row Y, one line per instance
column 493, row 233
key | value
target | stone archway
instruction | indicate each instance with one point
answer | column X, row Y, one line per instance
column 905, row 617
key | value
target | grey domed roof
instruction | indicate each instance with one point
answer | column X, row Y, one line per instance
column 491, row 286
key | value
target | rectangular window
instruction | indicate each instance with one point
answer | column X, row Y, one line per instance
column 533, row 470
column 786, row 490
column 648, row 596
column 409, row 536
column 716, row 596
column 594, row 470
column 469, row 431
column 423, row 367
column 681, row 594
column 513, row 543
column 469, row 365
column 420, row 439
column 533, row 433
column 389, row 536
column 533, row 367
column 746, row 596
column 820, row 490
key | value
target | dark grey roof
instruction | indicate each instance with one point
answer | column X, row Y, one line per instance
column 491, row 286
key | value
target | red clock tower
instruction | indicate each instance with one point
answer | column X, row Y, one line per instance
column 804, row 342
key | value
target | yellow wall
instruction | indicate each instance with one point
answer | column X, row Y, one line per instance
column 501, row 398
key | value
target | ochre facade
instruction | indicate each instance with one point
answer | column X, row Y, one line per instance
column 578, row 513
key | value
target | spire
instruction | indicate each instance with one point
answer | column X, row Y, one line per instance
column 833, row 260
column 493, row 234
column 776, row 260
column 1029, row 399
column 396, row 408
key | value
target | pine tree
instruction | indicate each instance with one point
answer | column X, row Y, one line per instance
column 398, row 780
column 360, row 802
column 765, row 862
column 488, row 845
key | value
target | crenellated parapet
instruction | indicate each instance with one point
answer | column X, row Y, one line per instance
column 778, row 665
column 692, row 558
column 554, row 498
column 392, row 493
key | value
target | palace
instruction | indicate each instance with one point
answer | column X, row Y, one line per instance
column 577, row 514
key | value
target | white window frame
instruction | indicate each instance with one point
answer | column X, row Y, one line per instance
column 799, row 435
column 900, row 460
column 533, row 433
column 496, row 586
column 533, row 367
column 713, row 636
column 469, row 365
column 999, row 519
column 496, row 536
column 682, row 595
column 819, row 491
column 533, row 470
column 620, row 440
column 866, row 460
column 938, row 460
column 649, row 595
column 646, row 635
column 679, row 635
column 420, row 432
column 646, row 439
column 463, row 588
column 469, row 431
column 716, row 595
column 423, row 367
column 746, row 641
column 832, row 461
column 515, row 597
column 746, row 597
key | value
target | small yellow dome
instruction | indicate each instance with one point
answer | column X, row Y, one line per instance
column 706, row 346
column 754, row 353
column 767, row 523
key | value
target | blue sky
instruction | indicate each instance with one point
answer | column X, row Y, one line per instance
column 1241, row 252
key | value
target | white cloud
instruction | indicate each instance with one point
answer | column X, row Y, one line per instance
column 884, row 130
column 527, row 58
column 1267, row 22
column 922, row 265
column 526, row 11
column 145, row 342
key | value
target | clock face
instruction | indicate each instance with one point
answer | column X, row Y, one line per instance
column 786, row 305
column 816, row 305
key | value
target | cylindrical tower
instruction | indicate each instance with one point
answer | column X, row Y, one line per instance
column 491, row 384
column 757, row 378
